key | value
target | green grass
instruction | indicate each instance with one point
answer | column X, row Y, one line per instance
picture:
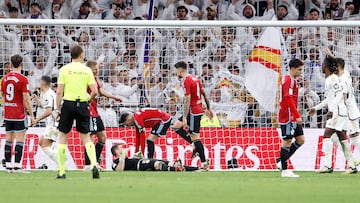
column 219, row 187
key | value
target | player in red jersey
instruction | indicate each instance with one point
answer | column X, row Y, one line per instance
column 156, row 119
column 192, row 111
column 289, row 117
column 15, row 89
column 96, row 124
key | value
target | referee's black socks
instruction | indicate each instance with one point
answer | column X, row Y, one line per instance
column 98, row 149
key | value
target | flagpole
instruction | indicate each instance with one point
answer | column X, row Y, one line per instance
column 144, row 101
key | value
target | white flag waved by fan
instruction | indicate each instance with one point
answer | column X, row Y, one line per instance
column 263, row 69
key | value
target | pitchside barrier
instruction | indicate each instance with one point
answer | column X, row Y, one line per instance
column 240, row 63
column 254, row 149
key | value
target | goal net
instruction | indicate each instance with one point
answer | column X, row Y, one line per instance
column 240, row 64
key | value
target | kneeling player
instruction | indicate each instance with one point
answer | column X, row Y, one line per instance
column 156, row 119
column 47, row 102
column 122, row 163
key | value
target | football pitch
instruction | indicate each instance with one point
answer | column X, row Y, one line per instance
column 219, row 187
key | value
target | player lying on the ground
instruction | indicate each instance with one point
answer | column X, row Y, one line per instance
column 153, row 118
column 123, row 163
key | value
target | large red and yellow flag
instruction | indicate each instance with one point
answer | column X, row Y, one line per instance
column 264, row 68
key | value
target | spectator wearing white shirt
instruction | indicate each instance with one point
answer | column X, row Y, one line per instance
column 219, row 7
column 124, row 90
column 194, row 11
column 23, row 6
column 348, row 48
column 42, row 66
column 114, row 13
column 248, row 12
column 107, row 114
column 287, row 11
column 35, row 12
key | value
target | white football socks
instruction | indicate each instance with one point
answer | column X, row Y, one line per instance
column 356, row 142
column 328, row 148
column 347, row 153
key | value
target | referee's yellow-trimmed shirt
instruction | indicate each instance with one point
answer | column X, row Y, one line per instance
column 76, row 77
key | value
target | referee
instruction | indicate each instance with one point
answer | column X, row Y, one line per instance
column 74, row 79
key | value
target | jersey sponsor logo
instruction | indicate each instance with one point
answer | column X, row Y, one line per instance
column 13, row 78
column 10, row 104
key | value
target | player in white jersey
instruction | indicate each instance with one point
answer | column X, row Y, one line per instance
column 47, row 102
column 353, row 128
column 338, row 112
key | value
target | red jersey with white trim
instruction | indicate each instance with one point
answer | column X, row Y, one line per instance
column 93, row 105
column 193, row 87
column 13, row 86
column 289, row 100
column 149, row 117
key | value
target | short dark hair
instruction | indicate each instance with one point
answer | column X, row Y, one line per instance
column 86, row 3
column 182, row 7
column 341, row 63
column 76, row 51
column 46, row 79
column 114, row 148
column 235, row 68
column 13, row 10
column 314, row 10
column 91, row 63
column 35, row 4
column 181, row 64
column 284, row 6
column 295, row 63
column 208, row 65
column 123, row 117
column 331, row 64
column 16, row 60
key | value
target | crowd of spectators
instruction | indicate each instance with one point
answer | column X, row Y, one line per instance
column 214, row 54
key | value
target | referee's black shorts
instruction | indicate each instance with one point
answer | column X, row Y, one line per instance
column 72, row 110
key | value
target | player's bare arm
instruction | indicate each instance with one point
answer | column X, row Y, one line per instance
column 48, row 112
column 94, row 92
column 28, row 106
column 59, row 95
column 108, row 95
column 207, row 102
column 37, row 100
column 122, row 156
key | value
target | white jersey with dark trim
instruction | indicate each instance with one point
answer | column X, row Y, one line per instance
column 48, row 101
column 350, row 100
